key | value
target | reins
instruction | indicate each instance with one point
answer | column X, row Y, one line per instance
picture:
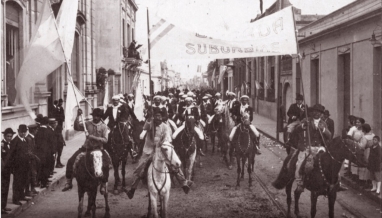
column 166, row 172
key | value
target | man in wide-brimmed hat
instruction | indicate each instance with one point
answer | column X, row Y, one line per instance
column 96, row 137
column 159, row 136
column 319, row 137
column 5, row 171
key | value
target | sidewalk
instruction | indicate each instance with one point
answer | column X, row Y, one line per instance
column 58, row 177
column 268, row 128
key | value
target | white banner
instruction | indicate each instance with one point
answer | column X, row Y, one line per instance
column 272, row 35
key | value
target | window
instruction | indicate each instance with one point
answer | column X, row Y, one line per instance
column 13, row 34
column 123, row 33
column 75, row 61
column 128, row 35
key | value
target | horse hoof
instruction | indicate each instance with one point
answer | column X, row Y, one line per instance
column 87, row 214
column 230, row 167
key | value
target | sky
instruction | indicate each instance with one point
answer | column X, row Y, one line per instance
column 213, row 18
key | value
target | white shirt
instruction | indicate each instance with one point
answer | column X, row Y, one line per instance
column 115, row 111
column 316, row 122
column 22, row 139
column 231, row 102
column 131, row 103
column 242, row 108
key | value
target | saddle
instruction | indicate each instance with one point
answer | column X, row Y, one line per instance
column 311, row 160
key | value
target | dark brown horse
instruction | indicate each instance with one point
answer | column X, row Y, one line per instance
column 244, row 144
column 90, row 169
column 323, row 178
column 185, row 146
column 119, row 146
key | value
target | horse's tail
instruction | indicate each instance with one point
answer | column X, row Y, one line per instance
column 286, row 173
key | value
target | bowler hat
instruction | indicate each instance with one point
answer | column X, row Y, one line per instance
column 32, row 126
column 299, row 97
column 60, row 100
column 23, row 128
column 38, row 118
column 8, row 130
column 52, row 121
column 44, row 121
column 326, row 112
column 318, row 107
column 97, row 112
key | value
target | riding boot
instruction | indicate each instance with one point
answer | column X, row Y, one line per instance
column 258, row 152
column 185, row 183
column 68, row 185
column 134, row 186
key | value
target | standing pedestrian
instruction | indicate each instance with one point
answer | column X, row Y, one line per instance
column 33, row 161
column 18, row 156
column 53, row 145
column 374, row 164
column 5, row 171
column 43, row 141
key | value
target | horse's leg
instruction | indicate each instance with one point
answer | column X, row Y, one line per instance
column 297, row 195
column 288, row 190
column 90, row 204
column 165, row 204
column 332, row 199
column 191, row 162
column 154, row 204
column 81, row 201
column 243, row 160
column 94, row 196
column 107, row 208
column 116, row 174
column 313, row 203
column 238, row 171
column 124, row 173
column 213, row 142
column 249, row 170
column 149, row 209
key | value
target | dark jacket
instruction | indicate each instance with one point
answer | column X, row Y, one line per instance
column 315, row 136
column 59, row 114
column 330, row 123
column 109, row 114
column 181, row 106
column 375, row 159
column 43, row 142
column 296, row 111
column 18, row 153
column 5, row 148
column 193, row 111
column 53, row 142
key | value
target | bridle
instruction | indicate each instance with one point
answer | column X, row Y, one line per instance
column 246, row 131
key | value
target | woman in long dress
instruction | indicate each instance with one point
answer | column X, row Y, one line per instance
column 356, row 133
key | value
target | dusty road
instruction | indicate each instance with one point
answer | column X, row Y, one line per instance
column 213, row 195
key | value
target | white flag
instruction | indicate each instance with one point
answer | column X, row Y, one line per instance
column 66, row 21
column 139, row 103
column 73, row 98
column 272, row 35
column 43, row 56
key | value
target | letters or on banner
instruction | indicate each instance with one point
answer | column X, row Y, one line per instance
column 272, row 35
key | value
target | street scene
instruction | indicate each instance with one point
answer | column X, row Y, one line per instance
column 168, row 108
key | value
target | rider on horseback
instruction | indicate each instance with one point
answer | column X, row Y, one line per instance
column 319, row 137
column 296, row 114
column 245, row 108
column 96, row 137
column 158, row 133
column 191, row 111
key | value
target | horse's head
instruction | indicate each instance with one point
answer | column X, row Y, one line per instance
column 169, row 156
column 190, row 123
column 351, row 150
column 97, row 162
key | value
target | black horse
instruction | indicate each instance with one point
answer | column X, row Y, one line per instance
column 89, row 171
column 185, row 146
column 244, row 144
column 119, row 147
column 323, row 178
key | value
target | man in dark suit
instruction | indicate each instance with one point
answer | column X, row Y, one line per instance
column 329, row 122
column 296, row 112
column 53, row 145
column 33, row 161
column 113, row 112
column 43, row 141
column 5, row 171
column 18, row 156
column 60, row 114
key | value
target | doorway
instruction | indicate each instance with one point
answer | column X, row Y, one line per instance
column 344, row 95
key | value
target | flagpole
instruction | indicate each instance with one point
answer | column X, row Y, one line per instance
column 149, row 53
column 69, row 71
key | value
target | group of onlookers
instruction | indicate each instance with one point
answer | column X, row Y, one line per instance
column 31, row 154
column 367, row 177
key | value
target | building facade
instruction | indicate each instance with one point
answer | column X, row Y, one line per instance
column 115, row 31
column 341, row 64
column 18, row 22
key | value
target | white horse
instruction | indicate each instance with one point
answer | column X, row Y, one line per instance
column 158, row 179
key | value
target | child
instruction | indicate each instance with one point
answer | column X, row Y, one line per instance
column 374, row 164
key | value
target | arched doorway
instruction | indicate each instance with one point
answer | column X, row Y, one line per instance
column 287, row 97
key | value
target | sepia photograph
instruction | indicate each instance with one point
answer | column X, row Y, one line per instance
column 191, row 108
